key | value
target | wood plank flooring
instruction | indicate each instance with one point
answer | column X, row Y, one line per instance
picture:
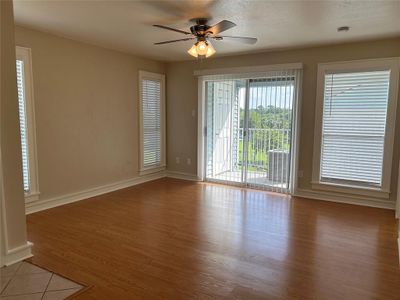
column 172, row 239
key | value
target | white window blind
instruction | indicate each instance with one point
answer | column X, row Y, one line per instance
column 151, row 122
column 23, row 124
column 27, row 123
column 353, row 127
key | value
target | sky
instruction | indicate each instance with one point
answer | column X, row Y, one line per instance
column 278, row 96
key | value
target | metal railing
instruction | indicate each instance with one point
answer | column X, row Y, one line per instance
column 264, row 147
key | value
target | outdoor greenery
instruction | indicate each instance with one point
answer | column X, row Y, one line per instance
column 269, row 129
column 270, row 117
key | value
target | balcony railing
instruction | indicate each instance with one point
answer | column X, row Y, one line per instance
column 267, row 155
column 267, row 151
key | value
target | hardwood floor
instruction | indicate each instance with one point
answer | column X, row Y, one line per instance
column 172, row 239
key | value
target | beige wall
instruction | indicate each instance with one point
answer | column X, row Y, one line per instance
column 13, row 227
column 86, row 105
column 182, row 98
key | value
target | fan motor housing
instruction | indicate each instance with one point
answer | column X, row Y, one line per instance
column 201, row 26
column 199, row 29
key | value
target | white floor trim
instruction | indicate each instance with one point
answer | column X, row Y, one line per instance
column 348, row 199
column 44, row 204
column 181, row 175
column 398, row 247
column 18, row 254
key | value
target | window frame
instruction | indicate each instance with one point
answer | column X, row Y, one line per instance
column 25, row 55
column 160, row 167
column 392, row 64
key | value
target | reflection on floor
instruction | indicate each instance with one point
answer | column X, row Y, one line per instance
column 175, row 239
column 256, row 178
column 24, row 280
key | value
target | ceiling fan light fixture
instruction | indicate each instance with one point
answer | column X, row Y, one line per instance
column 193, row 51
column 210, row 50
column 202, row 49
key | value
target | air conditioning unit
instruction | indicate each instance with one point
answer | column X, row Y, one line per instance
column 278, row 163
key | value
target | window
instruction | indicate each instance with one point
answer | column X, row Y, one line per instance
column 355, row 117
column 152, row 122
column 27, row 124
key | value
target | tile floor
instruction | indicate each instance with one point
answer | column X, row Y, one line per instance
column 25, row 281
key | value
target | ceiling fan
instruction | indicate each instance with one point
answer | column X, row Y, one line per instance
column 203, row 33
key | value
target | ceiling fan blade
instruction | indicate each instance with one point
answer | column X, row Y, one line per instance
column 173, row 41
column 240, row 39
column 221, row 26
column 172, row 29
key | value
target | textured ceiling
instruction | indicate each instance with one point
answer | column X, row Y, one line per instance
column 126, row 25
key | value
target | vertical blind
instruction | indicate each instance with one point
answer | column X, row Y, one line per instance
column 270, row 128
column 151, row 122
column 249, row 121
column 22, row 121
column 353, row 130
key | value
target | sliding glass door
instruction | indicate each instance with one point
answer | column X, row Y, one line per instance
column 224, row 116
column 250, row 129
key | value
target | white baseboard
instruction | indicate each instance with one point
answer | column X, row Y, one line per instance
column 181, row 175
column 348, row 199
column 18, row 254
column 398, row 247
column 44, row 204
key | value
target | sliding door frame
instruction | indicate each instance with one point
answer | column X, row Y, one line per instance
column 245, row 148
column 257, row 70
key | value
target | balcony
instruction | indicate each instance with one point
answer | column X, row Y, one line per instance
column 267, row 157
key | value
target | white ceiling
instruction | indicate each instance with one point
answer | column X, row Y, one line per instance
column 126, row 25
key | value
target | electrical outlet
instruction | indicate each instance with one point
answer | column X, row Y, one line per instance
column 178, row 160
column 193, row 113
column 300, row 173
column 189, row 161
